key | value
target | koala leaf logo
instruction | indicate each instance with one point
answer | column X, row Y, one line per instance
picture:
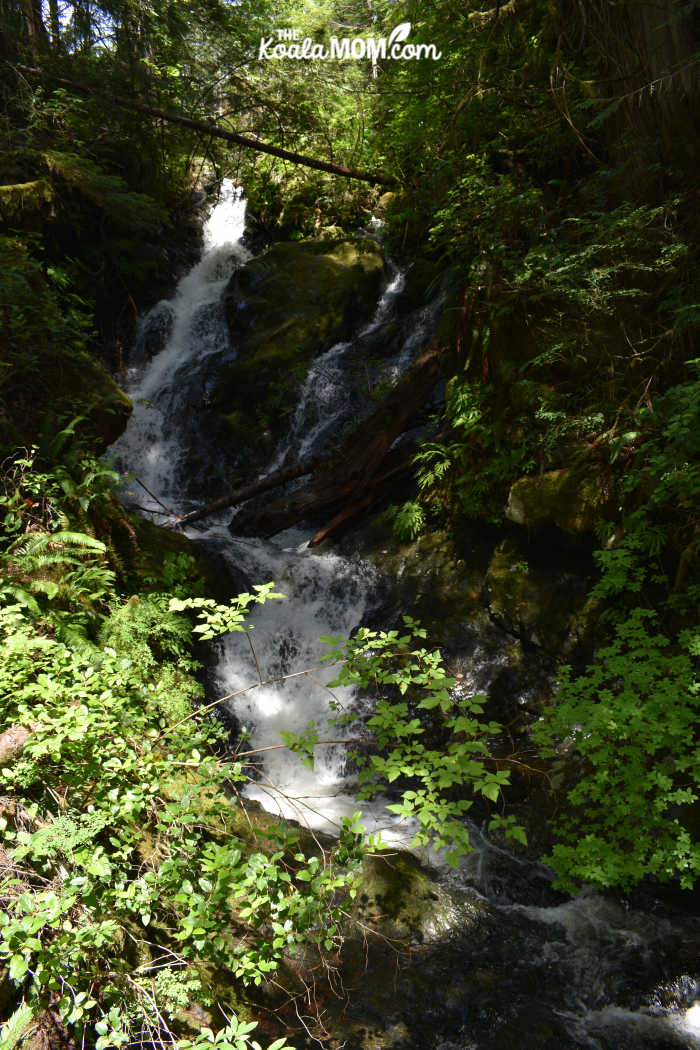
column 399, row 34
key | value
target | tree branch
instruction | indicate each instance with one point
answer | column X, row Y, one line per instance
column 379, row 178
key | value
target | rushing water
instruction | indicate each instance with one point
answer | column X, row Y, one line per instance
column 504, row 963
column 164, row 442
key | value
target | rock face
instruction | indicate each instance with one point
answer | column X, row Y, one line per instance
column 67, row 386
column 109, row 407
column 539, row 601
column 283, row 309
column 555, row 498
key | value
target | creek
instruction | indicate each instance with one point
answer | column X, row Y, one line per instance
column 499, row 960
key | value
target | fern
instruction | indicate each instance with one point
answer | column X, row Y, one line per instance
column 66, row 570
column 409, row 521
column 56, row 542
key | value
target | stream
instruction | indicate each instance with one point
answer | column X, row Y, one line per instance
column 502, row 961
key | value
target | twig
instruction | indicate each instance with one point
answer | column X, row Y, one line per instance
column 153, row 496
column 231, row 696
column 255, row 658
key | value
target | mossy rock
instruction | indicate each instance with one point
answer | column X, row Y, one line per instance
column 387, row 203
column 543, row 605
column 559, row 498
column 401, row 899
column 283, row 310
column 61, row 387
column 85, row 380
column 153, row 545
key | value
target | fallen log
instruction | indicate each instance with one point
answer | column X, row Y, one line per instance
column 375, row 177
column 395, row 463
column 345, row 515
column 272, row 481
column 363, row 462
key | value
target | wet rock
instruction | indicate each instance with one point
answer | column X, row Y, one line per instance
column 400, row 898
column 284, row 309
column 153, row 333
column 543, row 604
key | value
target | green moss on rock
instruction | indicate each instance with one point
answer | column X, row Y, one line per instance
column 23, row 200
column 62, row 385
column 544, row 607
column 399, row 897
column 558, row 498
column 107, row 406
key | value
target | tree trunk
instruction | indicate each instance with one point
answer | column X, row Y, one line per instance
column 380, row 178
column 256, row 488
column 36, row 30
column 55, row 24
column 345, row 482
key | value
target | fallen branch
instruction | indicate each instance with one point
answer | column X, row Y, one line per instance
column 344, row 483
column 377, row 177
column 278, row 477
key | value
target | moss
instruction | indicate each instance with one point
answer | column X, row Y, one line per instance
column 24, row 200
column 556, row 498
column 439, row 576
column 284, row 309
column 107, row 406
column 398, row 896
column 143, row 547
column 59, row 386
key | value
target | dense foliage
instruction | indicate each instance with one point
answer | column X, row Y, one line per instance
column 112, row 786
column 547, row 184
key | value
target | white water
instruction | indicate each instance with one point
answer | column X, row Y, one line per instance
column 324, row 396
column 153, row 443
column 327, row 594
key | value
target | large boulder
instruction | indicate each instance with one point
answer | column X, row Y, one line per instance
column 558, row 498
column 284, row 309
column 83, row 381
column 64, row 386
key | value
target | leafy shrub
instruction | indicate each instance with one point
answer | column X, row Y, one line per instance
column 631, row 719
column 115, row 791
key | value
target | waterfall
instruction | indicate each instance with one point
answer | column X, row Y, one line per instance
column 601, row 974
column 163, row 442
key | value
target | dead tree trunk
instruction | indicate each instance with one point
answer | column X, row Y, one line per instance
column 344, row 482
column 256, row 488
column 377, row 177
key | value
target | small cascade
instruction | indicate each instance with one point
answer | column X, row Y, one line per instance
column 332, row 395
column 505, row 963
column 325, row 594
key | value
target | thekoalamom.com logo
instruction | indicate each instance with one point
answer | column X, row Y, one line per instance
column 286, row 43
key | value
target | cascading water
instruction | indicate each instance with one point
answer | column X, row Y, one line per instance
column 163, row 442
column 534, row 972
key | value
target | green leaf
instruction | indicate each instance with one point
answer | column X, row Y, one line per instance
column 18, row 968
